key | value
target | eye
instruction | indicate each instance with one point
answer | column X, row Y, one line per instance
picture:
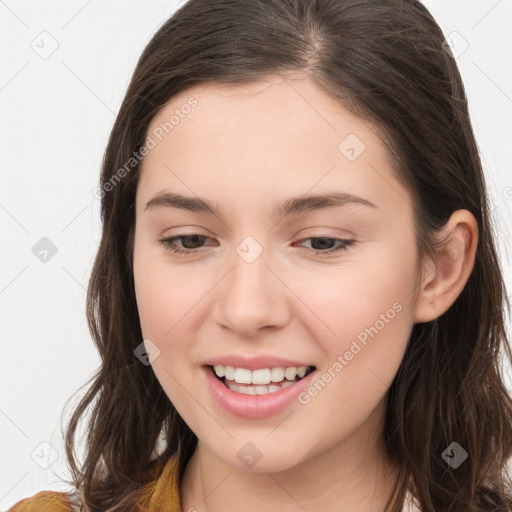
column 323, row 241
column 192, row 243
column 170, row 244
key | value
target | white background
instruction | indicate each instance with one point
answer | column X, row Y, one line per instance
column 56, row 115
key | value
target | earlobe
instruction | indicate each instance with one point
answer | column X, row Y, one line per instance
column 446, row 277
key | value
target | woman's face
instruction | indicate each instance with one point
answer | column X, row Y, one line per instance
column 261, row 285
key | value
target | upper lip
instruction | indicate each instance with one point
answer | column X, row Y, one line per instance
column 255, row 362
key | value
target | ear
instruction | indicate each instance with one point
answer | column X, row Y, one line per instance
column 445, row 278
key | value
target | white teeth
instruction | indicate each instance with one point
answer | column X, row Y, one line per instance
column 261, row 390
column 277, row 374
column 258, row 390
column 219, row 370
column 261, row 376
column 243, row 376
column 229, row 372
column 290, row 373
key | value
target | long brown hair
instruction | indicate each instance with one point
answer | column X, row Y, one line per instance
column 386, row 62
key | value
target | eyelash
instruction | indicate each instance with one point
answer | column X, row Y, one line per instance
column 169, row 244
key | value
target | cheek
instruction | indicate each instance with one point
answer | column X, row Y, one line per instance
column 362, row 322
column 365, row 321
column 348, row 300
column 164, row 293
column 170, row 302
column 165, row 297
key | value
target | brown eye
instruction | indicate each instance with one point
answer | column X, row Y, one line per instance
column 324, row 244
column 190, row 243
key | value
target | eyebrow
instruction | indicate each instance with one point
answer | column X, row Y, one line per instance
column 291, row 206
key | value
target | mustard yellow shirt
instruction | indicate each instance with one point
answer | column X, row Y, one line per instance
column 161, row 495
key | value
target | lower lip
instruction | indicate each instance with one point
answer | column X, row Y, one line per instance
column 254, row 406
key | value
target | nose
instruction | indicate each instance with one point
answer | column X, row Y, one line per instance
column 252, row 296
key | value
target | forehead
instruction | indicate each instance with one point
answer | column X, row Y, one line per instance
column 280, row 133
column 265, row 107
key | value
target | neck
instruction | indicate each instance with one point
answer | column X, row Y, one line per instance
column 356, row 475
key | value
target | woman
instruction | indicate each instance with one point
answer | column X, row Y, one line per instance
column 297, row 284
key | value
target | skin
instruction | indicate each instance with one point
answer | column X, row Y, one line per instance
column 247, row 148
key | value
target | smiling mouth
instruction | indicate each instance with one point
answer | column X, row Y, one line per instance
column 260, row 389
